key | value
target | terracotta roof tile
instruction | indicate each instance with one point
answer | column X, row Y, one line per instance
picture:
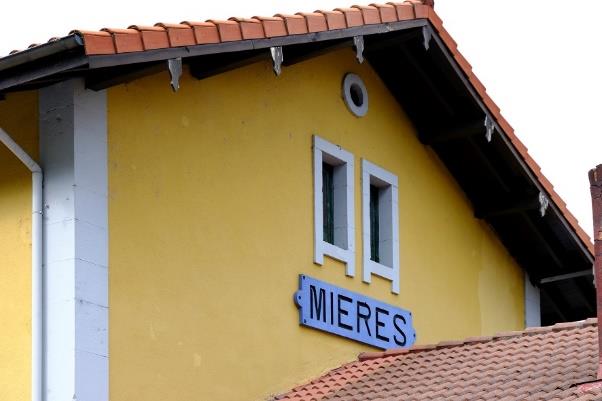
column 178, row 34
column 316, row 22
column 125, row 40
column 433, row 17
column 250, row 28
column 204, row 32
column 97, row 42
column 295, row 24
column 405, row 10
column 353, row 17
column 421, row 10
column 370, row 14
column 386, row 11
column 153, row 37
column 461, row 60
column 334, row 19
column 273, row 26
column 490, row 104
column 546, row 363
column 228, row 30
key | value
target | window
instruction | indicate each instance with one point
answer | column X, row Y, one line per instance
column 333, row 204
column 328, row 202
column 374, row 226
column 380, row 218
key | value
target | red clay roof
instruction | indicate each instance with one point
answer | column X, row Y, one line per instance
column 138, row 38
column 189, row 33
column 545, row 363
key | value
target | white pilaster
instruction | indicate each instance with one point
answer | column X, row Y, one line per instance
column 532, row 304
column 73, row 152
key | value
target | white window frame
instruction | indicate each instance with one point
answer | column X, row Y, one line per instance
column 389, row 225
column 344, row 214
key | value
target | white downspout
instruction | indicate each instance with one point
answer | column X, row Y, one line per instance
column 36, row 264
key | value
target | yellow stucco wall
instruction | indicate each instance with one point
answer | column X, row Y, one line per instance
column 18, row 117
column 211, row 221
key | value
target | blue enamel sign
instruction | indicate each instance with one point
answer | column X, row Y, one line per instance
column 335, row 310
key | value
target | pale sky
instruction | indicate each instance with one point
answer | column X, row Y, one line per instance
column 539, row 60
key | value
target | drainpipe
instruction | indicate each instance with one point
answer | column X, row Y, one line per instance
column 595, row 180
column 36, row 264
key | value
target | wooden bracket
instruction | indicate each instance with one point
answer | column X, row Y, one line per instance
column 427, row 34
column 358, row 43
column 174, row 65
column 277, row 58
column 544, row 203
column 489, row 128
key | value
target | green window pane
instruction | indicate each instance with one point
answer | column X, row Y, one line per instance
column 374, row 229
column 328, row 202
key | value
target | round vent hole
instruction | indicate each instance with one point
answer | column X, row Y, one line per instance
column 355, row 94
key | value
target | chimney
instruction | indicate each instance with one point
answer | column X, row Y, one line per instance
column 595, row 180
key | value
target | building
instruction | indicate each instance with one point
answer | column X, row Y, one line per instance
column 263, row 199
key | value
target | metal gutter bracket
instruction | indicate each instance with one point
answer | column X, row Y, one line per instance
column 358, row 43
column 174, row 65
column 489, row 128
column 277, row 59
column 544, row 202
column 427, row 34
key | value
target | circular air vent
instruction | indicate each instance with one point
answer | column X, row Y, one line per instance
column 355, row 94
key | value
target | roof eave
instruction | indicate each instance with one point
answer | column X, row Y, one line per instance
column 36, row 53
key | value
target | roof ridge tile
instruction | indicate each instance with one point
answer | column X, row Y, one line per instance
column 251, row 28
column 387, row 12
column 273, row 26
column 370, row 14
column 153, row 37
column 125, row 40
column 450, row 344
column 316, row 22
column 229, row 31
column 179, row 34
column 335, row 19
column 405, row 11
column 295, row 24
column 365, row 356
column 508, row 334
column 155, row 28
column 354, row 17
column 204, row 32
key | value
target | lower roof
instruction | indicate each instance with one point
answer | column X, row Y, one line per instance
column 545, row 363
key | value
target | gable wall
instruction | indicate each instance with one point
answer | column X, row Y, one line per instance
column 211, row 222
